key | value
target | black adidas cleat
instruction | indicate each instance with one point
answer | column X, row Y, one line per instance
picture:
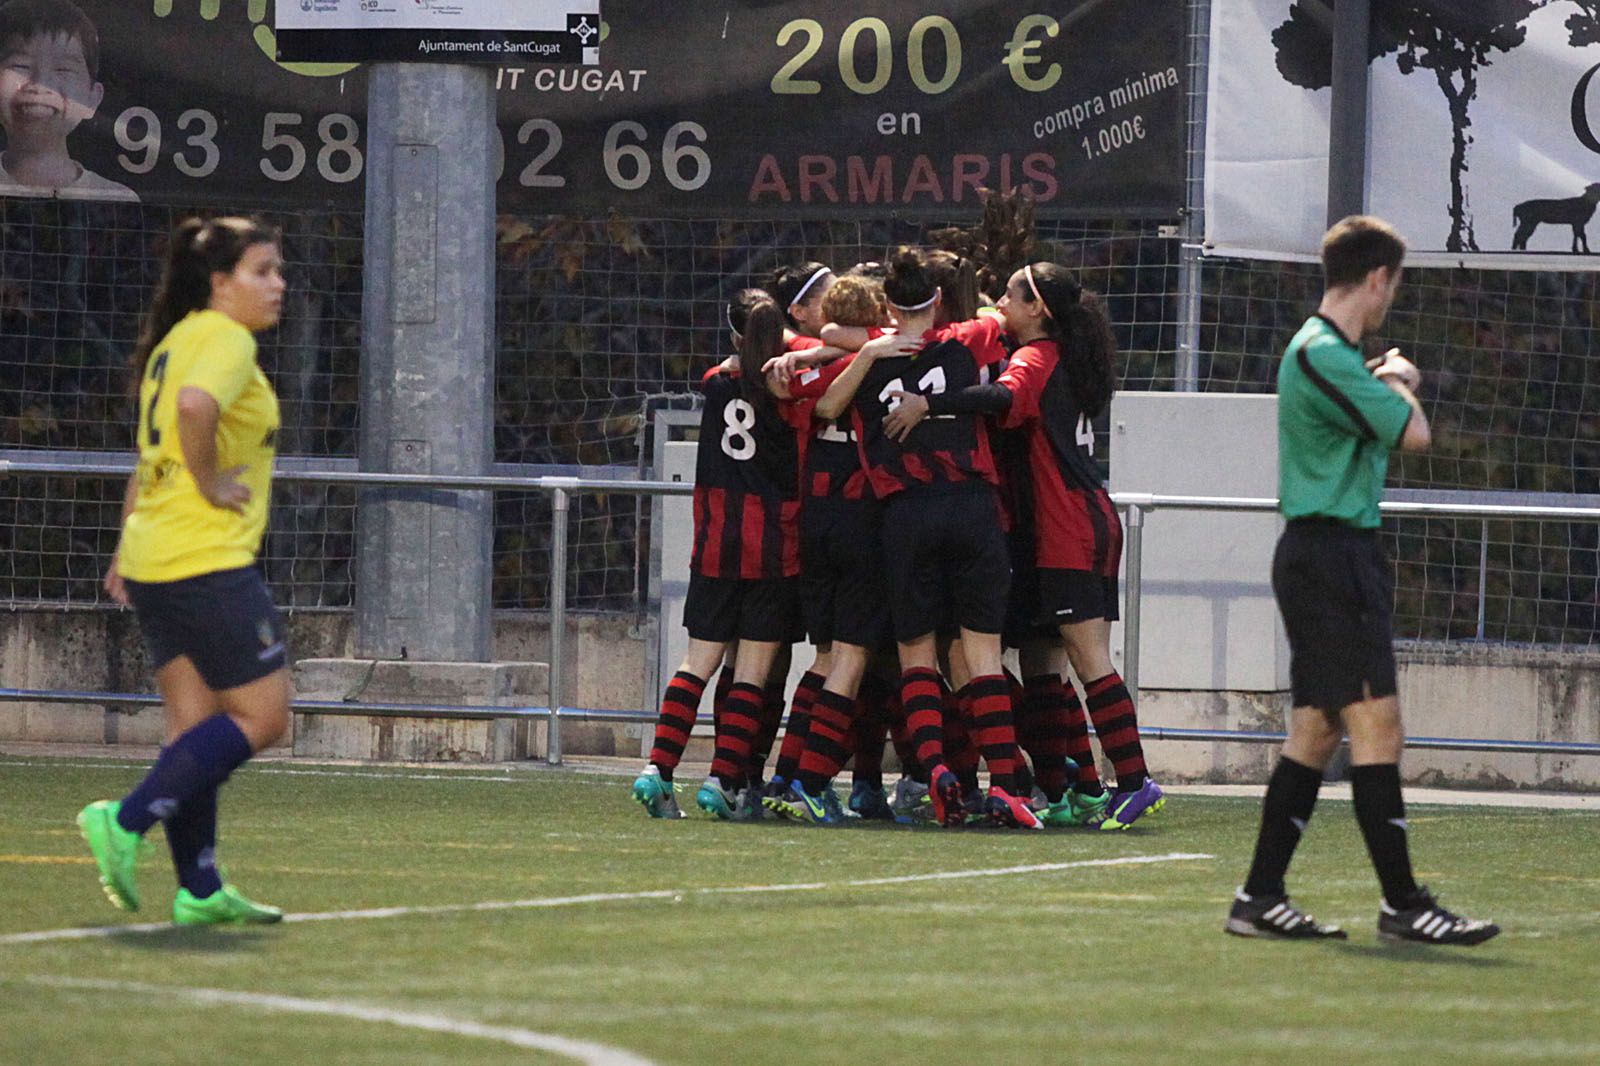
column 1274, row 917
column 1425, row 922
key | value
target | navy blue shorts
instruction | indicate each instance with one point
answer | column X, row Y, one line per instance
column 725, row 609
column 225, row 622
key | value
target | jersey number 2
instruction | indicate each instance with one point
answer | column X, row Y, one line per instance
column 740, row 418
column 158, row 373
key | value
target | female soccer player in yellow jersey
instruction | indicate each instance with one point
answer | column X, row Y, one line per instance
column 192, row 521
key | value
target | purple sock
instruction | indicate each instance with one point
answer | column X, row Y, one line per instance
column 194, row 764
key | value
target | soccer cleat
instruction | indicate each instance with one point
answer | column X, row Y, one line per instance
column 1425, row 922
column 948, row 808
column 1010, row 812
column 1276, row 918
column 1059, row 813
column 1088, row 810
column 1126, row 808
column 830, row 800
column 799, row 805
column 911, row 803
column 656, row 794
column 870, row 803
column 717, row 801
column 115, row 851
column 749, row 808
column 226, row 906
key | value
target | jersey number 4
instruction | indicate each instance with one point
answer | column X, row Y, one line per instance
column 740, row 419
column 1085, row 434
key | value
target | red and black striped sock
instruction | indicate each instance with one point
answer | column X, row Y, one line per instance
column 1117, row 726
column 827, row 744
column 741, row 718
column 904, row 750
column 871, row 724
column 719, row 698
column 794, row 735
column 679, row 705
column 919, row 695
column 960, row 754
column 1043, row 725
column 771, row 718
column 993, row 729
column 1078, row 747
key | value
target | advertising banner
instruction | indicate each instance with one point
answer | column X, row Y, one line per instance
column 1483, row 130
column 739, row 109
column 441, row 31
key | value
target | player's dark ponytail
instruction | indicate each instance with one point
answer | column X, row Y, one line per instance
column 790, row 285
column 957, row 277
column 911, row 280
column 760, row 340
column 1077, row 322
column 196, row 250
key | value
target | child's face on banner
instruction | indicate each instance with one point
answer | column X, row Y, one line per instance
column 45, row 85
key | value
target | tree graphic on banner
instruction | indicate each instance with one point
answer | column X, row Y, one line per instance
column 1453, row 40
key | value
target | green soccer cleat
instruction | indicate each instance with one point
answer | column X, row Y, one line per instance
column 115, row 850
column 717, row 801
column 656, row 794
column 226, row 906
column 1087, row 810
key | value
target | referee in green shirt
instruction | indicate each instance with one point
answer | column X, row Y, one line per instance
column 1338, row 420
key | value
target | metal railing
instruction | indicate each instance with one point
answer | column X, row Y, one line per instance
column 1136, row 506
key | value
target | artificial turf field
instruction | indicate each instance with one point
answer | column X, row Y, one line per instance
column 632, row 954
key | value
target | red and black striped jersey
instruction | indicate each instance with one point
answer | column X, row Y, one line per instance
column 833, row 466
column 942, row 450
column 1075, row 524
column 747, row 482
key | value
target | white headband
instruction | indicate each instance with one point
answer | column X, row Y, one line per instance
column 801, row 295
column 918, row 307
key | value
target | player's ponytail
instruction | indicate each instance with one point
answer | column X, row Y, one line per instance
column 760, row 340
column 957, row 278
column 1076, row 321
column 911, row 283
column 196, row 250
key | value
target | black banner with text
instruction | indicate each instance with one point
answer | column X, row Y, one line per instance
column 738, row 109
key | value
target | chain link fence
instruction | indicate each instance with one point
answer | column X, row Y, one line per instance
column 600, row 318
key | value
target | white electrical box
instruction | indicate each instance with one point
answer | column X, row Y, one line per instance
column 1208, row 619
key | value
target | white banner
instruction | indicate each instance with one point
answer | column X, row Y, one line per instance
column 430, row 14
column 1483, row 130
column 447, row 31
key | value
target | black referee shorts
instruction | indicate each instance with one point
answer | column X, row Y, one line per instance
column 724, row 609
column 1335, row 590
column 842, row 589
column 225, row 622
column 945, row 557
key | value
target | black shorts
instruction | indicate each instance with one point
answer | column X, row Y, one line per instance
column 945, row 557
column 842, row 590
column 1068, row 596
column 1025, row 620
column 1335, row 591
column 225, row 622
column 725, row 609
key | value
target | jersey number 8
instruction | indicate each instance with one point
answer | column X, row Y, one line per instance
column 740, row 418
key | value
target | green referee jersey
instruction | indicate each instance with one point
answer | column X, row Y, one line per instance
column 1337, row 425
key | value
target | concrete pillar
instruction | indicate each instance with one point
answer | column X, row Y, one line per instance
column 423, row 557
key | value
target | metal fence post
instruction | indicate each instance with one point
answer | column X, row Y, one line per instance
column 1130, row 624
column 1483, row 576
column 558, row 622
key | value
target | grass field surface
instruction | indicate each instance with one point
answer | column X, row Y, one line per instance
column 487, row 917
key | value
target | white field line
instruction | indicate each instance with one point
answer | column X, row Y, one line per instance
column 268, row 768
column 582, row 1050
column 104, row 931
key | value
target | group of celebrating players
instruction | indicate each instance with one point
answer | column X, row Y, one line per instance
column 899, row 465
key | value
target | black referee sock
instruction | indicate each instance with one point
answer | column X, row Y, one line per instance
column 1381, row 812
column 1291, row 796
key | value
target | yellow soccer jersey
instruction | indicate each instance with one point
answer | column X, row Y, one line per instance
column 173, row 533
